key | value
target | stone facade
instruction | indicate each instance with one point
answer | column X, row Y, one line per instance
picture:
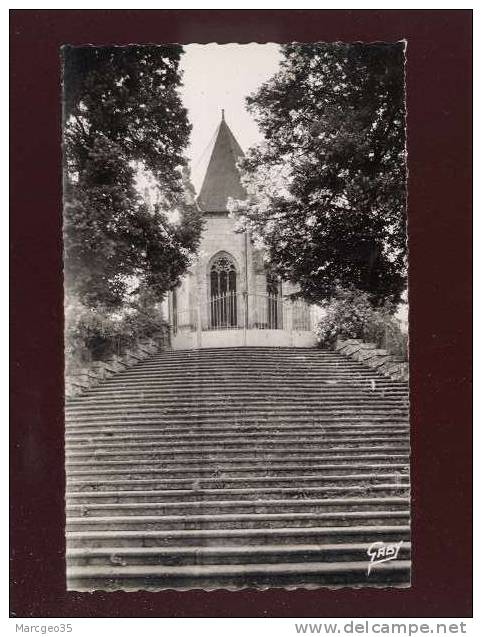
column 220, row 240
column 228, row 264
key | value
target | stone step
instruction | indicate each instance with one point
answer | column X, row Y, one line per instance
column 138, row 479
column 92, row 508
column 267, row 445
column 151, row 430
column 236, row 520
column 202, row 555
column 211, row 428
column 141, row 451
column 296, row 353
column 274, row 415
column 245, row 418
column 133, row 452
column 288, row 454
column 208, row 469
column 123, row 445
column 244, row 350
column 275, row 437
column 222, row 365
column 323, row 409
column 147, row 436
column 235, row 415
column 250, row 369
column 275, row 358
column 263, row 462
column 259, row 350
column 151, row 382
column 243, row 537
column 214, row 354
column 193, row 429
column 141, row 406
column 334, row 485
column 302, row 353
column 262, row 453
column 191, row 386
column 269, row 379
column 161, row 420
column 247, row 422
column 243, row 421
column 138, row 495
column 183, row 419
column 108, row 452
column 237, row 576
column 242, row 389
column 206, row 373
column 160, row 396
column 160, row 457
column 247, row 367
column 276, row 362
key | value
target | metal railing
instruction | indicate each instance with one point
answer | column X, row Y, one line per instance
column 223, row 312
column 301, row 318
column 245, row 311
column 184, row 321
column 266, row 312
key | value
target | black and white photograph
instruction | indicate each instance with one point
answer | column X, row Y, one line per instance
column 236, row 316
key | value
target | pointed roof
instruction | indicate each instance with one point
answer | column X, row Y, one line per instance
column 222, row 176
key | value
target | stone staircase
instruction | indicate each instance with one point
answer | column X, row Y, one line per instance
column 233, row 468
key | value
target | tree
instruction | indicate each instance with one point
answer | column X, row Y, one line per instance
column 327, row 187
column 123, row 118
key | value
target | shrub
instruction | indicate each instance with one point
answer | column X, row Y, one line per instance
column 93, row 334
column 352, row 314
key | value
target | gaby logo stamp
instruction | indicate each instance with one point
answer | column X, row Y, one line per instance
column 379, row 552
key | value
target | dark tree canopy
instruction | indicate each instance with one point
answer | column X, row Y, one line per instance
column 129, row 95
column 327, row 188
column 122, row 115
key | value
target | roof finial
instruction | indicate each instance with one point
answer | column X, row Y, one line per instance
column 222, row 114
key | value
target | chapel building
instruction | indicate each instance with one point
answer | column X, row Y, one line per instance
column 229, row 298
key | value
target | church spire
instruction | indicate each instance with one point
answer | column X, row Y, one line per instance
column 222, row 176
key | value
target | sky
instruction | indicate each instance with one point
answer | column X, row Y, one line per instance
column 220, row 76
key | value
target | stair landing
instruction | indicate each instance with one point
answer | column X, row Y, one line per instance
column 239, row 337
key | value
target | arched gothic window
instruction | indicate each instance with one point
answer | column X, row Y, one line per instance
column 223, row 277
column 223, row 292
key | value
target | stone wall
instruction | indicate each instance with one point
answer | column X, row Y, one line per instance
column 88, row 376
column 379, row 359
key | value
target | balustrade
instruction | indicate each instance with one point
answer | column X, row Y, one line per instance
column 245, row 311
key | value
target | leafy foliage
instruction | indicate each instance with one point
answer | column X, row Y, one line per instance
column 352, row 314
column 327, row 187
column 128, row 95
column 97, row 334
column 123, row 118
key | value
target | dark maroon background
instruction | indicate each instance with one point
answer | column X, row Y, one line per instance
column 439, row 76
